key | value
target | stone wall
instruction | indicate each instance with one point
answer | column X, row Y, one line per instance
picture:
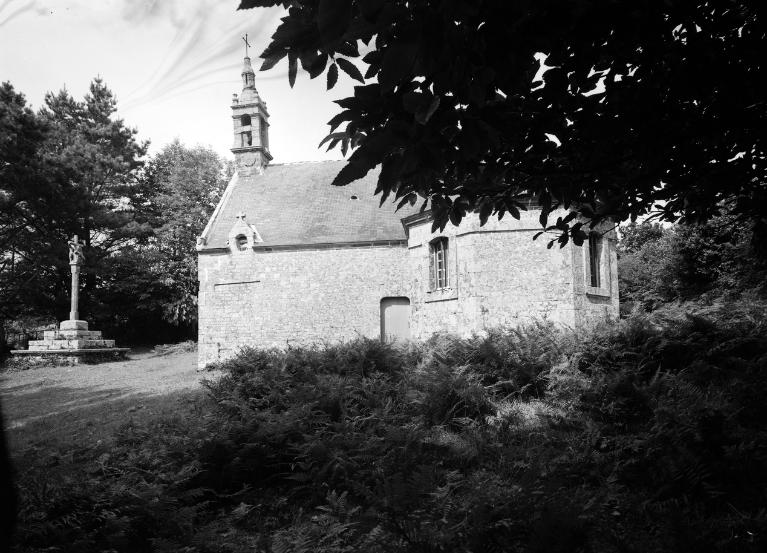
column 294, row 296
column 498, row 276
column 595, row 305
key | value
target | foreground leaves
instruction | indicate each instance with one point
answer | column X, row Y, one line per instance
column 613, row 110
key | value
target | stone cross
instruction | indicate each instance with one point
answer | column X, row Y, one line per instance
column 76, row 258
column 245, row 39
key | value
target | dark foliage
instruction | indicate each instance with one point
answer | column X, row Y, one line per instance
column 76, row 177
column 649, row 102
column 720, row 258
column 183, row 185
column 74, row 168
column 645, row 436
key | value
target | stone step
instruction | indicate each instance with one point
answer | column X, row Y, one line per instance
column 73, row 356
column 46, row 345
column 72, row 334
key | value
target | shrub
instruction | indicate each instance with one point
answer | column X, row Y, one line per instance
column 444, row 449
column 647, row 434
column 722, row 257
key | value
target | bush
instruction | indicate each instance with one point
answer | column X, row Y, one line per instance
column 722, row 257
column 644, row 435
column 519, row 440
column 172, row 349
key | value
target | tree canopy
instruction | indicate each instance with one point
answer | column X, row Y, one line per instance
column 705, row 262
column 613, row 109
column 22, row 194
column 73, row 167
column 72, row 170
column 185, row 184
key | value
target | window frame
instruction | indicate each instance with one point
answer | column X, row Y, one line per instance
column 241, row 242
column 439, row 277
column 595, row 260
column 597, row 263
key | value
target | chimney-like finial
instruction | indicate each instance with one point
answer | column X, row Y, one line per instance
column 248, row 75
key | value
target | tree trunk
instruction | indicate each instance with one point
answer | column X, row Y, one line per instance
column 3, row 345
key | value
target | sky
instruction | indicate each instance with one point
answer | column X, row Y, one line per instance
column 172, row 64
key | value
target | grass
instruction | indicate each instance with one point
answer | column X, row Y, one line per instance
column 95, row 432
column 76, row 405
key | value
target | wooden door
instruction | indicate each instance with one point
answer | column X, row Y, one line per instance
column 395, row 319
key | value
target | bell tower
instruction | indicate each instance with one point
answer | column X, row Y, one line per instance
column 251, row 126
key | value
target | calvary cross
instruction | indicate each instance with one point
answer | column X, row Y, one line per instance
column 75, row 251
column 245, row 39
column 75, row 260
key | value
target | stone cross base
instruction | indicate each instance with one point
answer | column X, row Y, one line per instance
column 73, row 325
column 72, row 335
column 72, row 344
column 28, row 359
column 69, row 343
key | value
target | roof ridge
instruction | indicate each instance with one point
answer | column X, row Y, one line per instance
column 304, row 162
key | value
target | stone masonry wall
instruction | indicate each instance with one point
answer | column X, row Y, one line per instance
column 595, row 305
column 498, row 276
column 276, row 298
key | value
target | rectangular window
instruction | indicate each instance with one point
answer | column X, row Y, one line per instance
column 439, row 273
column 595, row 254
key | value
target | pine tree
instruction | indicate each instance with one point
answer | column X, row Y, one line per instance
column 24, row 194
column 81, row 178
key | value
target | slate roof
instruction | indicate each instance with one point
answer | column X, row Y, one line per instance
column 294, row 204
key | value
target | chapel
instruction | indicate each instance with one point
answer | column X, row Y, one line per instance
column 287, row 259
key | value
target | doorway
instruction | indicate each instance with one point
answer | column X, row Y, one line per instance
column 395, row 319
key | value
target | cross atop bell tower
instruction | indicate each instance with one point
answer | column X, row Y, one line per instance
column 251, row 124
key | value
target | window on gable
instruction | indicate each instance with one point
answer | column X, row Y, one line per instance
column 241, row 242
column 438, row 263
column 595, row 260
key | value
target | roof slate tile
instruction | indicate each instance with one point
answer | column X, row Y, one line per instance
column 295, row 204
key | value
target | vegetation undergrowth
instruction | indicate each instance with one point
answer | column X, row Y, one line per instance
column 172, row 349
column 647, row 434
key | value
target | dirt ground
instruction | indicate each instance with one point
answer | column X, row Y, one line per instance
column 47, row 406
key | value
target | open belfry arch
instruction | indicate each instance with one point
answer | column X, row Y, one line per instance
column 287, row 259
